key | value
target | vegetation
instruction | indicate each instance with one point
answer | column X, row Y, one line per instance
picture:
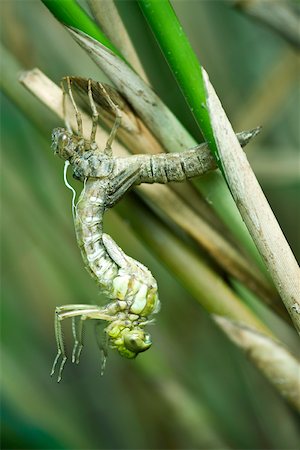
column 194, row 388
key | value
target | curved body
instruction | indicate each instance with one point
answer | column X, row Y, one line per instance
column 106, row 178
column 120, row 277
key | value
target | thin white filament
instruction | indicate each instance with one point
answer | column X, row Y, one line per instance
column 67, row 184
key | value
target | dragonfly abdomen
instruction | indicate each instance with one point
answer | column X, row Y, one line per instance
column 89, row 232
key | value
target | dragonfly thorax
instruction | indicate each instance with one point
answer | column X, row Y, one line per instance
column 92, row 164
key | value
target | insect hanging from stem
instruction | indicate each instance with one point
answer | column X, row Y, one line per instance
column 128, row 284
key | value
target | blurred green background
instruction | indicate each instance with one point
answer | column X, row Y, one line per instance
column 194, row 389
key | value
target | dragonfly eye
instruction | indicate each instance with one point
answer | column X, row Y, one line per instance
column 61, row 143
column 137, row 341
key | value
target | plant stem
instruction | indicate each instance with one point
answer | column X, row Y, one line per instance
column 182, row 60
column 254, row 209
column 242, row 183
column 282, row 371
column 71, row 14
column 187, row 71
column 109, row 20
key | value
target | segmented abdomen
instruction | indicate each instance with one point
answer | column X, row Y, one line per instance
column 120, row 277
column 165, row 167
column 89, row 230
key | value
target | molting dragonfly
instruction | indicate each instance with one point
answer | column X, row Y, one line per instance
column 129, row 285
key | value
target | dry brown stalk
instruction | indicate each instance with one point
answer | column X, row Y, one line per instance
column 254, row 208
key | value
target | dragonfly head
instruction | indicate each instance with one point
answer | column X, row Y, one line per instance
column 65, row 144
column 137, row 341
column 131, row 342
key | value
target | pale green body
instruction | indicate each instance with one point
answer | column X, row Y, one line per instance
column 126, row 281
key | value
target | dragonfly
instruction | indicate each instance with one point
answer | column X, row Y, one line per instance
column 129, row 285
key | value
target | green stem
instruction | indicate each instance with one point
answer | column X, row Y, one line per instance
column 182, row 60
column 71, row 14
column 187, row 71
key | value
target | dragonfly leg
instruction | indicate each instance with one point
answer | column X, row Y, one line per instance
column 102, row 341
column 73, row 311
column 95, row 113
column 67, row 123
column 104, row 351
column 77, row 330
column 120, row 184
column 117, row 122
column 77, row 113
column 60, row 347
column 61, row 313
